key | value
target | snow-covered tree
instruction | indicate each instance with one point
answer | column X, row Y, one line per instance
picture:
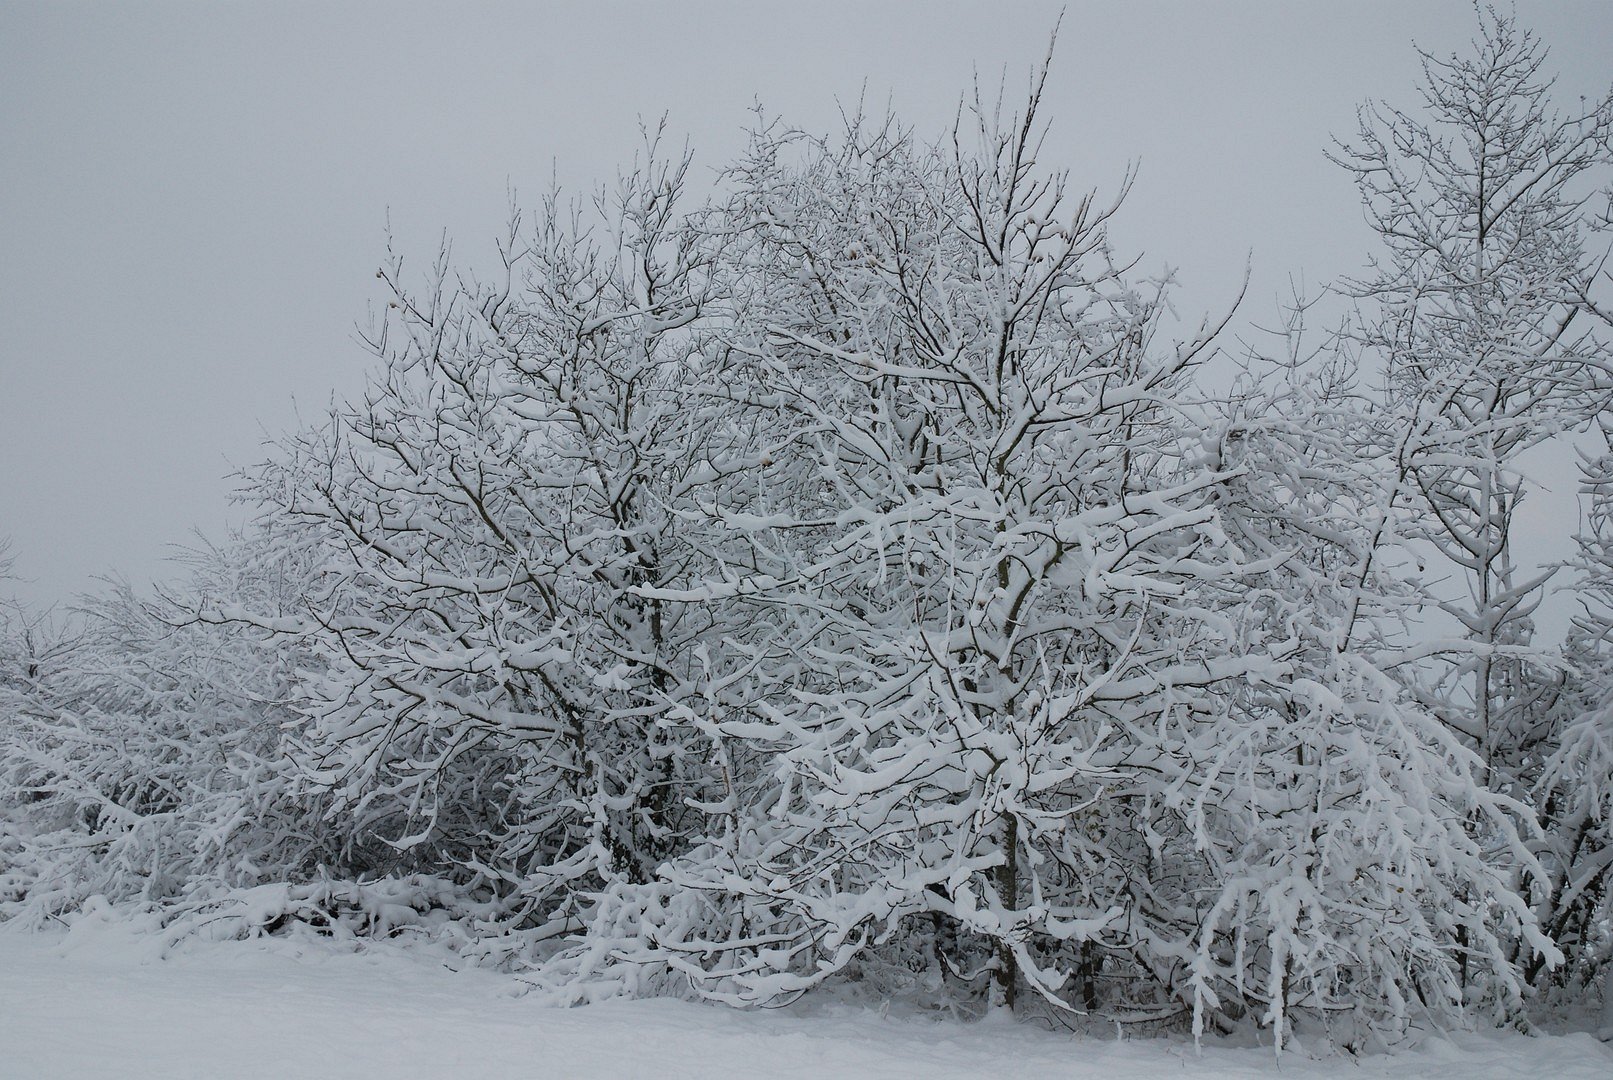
column 1374, row 861
column 1484, row 201
column 987, row 547
column 1484, row 318
column 498, row 694
column 1575, row 786
column 1045, row 717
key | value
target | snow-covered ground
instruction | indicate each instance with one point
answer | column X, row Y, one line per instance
column 99, row 1003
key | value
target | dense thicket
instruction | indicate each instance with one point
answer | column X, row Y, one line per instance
column 845, row 581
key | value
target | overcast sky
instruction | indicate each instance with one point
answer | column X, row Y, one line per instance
column 193, row 197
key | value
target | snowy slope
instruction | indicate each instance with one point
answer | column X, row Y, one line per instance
column 99, row 1003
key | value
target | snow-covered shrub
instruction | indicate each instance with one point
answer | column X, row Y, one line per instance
column 143, row 752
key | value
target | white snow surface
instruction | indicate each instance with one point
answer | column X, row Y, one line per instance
column 102, row 1001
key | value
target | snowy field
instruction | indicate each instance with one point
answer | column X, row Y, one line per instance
column 101, row 1004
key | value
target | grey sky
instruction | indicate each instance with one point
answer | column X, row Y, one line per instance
column 194, row 195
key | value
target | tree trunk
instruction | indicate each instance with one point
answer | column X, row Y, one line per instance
column 1005, row 979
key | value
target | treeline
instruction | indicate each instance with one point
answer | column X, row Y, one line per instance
column 844, row 580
